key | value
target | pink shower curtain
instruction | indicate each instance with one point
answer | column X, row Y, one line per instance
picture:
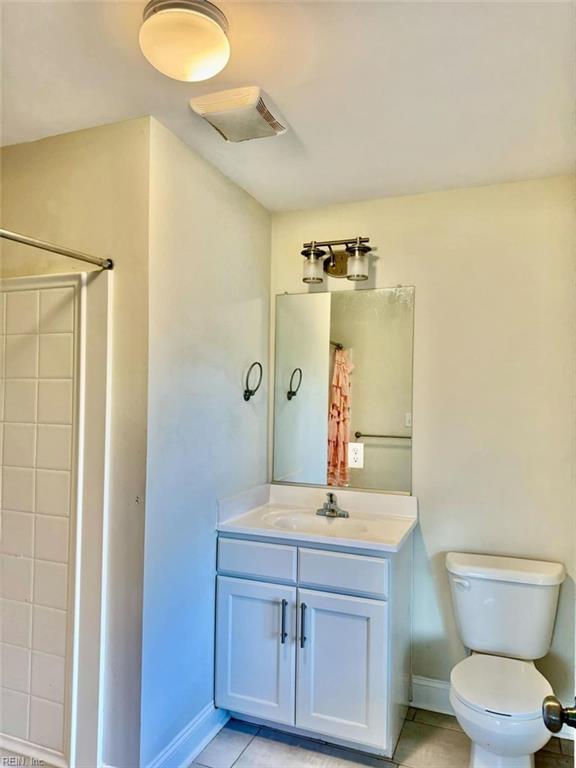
column 339, row 420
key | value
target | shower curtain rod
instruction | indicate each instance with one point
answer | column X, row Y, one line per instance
column 6, row 234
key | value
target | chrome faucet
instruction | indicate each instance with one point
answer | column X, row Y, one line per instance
column 330, row 507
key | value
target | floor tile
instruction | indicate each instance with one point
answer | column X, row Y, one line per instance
column 272, row 749
column 228, row 745
column 424, row 746
column 549, row 760
column 553, row 746
column 436, row 719
column 566, row 746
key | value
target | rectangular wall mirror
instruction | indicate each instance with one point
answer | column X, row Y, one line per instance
column 343, row 389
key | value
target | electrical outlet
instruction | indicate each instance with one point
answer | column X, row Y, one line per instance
column 356, row 455
column 407, row 419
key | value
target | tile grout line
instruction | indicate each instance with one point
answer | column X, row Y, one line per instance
column 259, row 728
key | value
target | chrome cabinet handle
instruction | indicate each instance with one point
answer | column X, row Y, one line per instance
column 555, row 715
column 303, row 625
column 283, row 633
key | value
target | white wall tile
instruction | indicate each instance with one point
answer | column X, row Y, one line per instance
column 52, row 492
column 53, row 447
column 18, row 489
column 46, row 723
column 57, row 310
column 51, row 538
column 16, row 578
column 50, row 584
column 15, row 667
column 20, row 400
column 17, row 534
column 49, row 634
column 14, row 712
column 19, row 441
column 48, row 676
column 55, row 400
column 15, row 623
column 22, row 312
column 36, row 441
column 56, row 356
column 21, row 357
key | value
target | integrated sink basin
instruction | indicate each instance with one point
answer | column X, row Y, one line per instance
column 360, row 530
column 304, row 522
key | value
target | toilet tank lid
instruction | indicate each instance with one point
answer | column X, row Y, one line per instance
column 511, row 569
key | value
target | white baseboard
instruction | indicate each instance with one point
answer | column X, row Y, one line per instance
column 32, row 751
column 434, row 695
column 187, row 745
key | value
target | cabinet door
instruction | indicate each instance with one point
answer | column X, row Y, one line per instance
column 255, row 663
column 342, row 667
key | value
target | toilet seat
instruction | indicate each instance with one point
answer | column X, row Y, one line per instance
column 499, row 686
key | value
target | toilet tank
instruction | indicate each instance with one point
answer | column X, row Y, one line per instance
column 504, row 605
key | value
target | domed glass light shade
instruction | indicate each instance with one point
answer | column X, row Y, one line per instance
column 185, row 39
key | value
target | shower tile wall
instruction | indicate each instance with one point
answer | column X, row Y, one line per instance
column 37, row 424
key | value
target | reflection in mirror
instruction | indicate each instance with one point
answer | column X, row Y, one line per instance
column 350, row 424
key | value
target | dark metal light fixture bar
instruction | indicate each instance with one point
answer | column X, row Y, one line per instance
column 349, row 261
column 326, row 243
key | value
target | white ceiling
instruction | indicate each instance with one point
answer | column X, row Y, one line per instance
column 382, row 98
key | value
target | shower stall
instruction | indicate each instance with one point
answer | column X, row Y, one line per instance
column 54, row 376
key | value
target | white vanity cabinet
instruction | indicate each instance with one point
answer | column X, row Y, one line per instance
column 314, row 640
column 256, row 654
column 341, row 681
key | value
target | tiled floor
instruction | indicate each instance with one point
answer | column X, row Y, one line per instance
column 428, row 740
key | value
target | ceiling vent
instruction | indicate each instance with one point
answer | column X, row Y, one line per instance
column 239, row 114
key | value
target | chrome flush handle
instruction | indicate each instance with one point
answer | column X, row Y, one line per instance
column 555, row 715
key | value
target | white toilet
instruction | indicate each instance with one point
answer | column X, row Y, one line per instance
column 505, row 610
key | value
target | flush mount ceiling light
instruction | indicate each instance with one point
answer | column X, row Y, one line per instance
column 350, row 262
column 185, row 39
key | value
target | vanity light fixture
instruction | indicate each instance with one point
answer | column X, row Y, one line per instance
column 185, row 39
column 350, row 262
column 313, row 264
column 358, row 261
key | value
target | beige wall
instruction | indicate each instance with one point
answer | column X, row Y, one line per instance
column 494, row 412
column 89, row 191
column 209, row 320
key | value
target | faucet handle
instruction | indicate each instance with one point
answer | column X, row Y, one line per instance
column 331, row 497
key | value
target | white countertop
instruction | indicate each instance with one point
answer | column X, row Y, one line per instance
column 362, row 530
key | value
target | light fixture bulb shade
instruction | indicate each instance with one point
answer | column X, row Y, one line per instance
column 313, row 271
column 185, row 39
column 357, row 267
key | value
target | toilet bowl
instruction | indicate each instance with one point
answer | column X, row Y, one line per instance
column 505, row 609
column 497, row 701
